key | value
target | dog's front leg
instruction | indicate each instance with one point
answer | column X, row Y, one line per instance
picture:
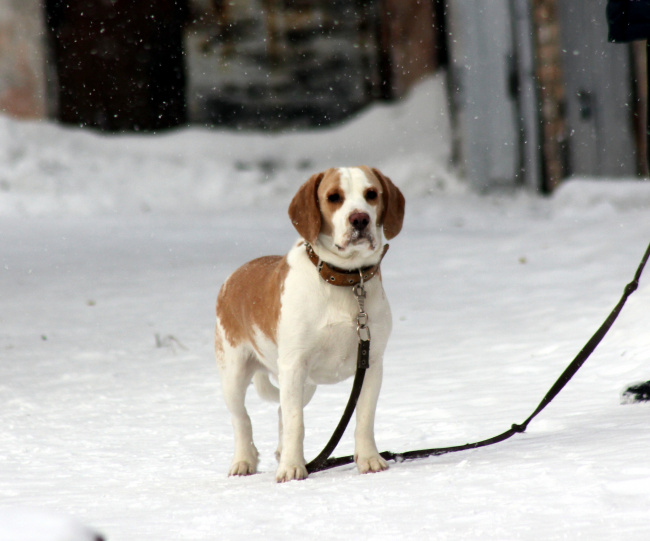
column 366, row 454
column 292, row 459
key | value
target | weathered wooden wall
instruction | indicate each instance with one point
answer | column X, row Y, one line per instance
column 119, row 64
column 273, row 64
column 278, row 63
column 408, row 42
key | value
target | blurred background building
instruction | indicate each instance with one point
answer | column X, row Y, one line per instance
column 536, row 92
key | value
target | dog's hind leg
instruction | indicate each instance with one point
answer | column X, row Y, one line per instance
column 236, row 375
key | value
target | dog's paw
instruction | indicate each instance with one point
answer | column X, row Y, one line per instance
column 371, row 464
column 294, row 472
column 241, row 468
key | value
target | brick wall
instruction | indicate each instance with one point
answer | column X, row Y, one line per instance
column 409, row 40
column 551, row 90
column 22, row 79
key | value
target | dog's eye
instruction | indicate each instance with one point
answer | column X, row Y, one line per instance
column 334, row 198
column 370, row 195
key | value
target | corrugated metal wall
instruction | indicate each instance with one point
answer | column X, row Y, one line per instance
column 599, row 93
column 483, row 71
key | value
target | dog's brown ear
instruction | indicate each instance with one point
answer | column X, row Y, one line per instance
column 394, row 204
column 304, row 210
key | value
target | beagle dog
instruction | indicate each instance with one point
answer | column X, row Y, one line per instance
column 293, row 317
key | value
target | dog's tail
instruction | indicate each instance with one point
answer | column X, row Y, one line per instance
column 264, row 387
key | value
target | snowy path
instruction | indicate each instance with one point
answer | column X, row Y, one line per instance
column 112, row 410
column 112, row 250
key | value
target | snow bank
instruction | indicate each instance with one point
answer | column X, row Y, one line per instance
column 580, row 196
column 20, row 524
column 51, row 169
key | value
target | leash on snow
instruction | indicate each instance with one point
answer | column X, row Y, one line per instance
column 324, row 462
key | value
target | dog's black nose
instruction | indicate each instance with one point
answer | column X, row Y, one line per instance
column 359, row 220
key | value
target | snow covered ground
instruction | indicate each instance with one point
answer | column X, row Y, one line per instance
column 112, row 250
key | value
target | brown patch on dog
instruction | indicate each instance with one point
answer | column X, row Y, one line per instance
column 330, row 186
column 304, row 210
column 251, row 298
column 394, row 204
column 379, row 188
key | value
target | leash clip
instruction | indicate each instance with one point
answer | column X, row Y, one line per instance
column 363, row 331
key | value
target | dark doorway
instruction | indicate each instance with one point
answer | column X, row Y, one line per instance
column 119, row 63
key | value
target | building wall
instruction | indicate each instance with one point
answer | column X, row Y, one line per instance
column 251, row 63
column 599, row 95
column 582, row 89
column 482, row 67
column 119, row 63
column 22, row 59
column 409, row 36
column 279, row 63
column 550, row 90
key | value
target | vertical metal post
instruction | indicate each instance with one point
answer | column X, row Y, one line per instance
column 529, row 121
column 647, row 107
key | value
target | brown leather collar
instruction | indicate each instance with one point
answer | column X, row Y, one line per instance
column 343, row 277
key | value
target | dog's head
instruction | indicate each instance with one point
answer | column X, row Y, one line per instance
column 344, row 211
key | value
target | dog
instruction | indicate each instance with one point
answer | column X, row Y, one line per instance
column 294, row 317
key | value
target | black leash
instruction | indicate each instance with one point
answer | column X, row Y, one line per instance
column 323, row 462
column 363, row 363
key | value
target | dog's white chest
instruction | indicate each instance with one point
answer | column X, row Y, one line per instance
column 334, row 357
column 323, row 325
